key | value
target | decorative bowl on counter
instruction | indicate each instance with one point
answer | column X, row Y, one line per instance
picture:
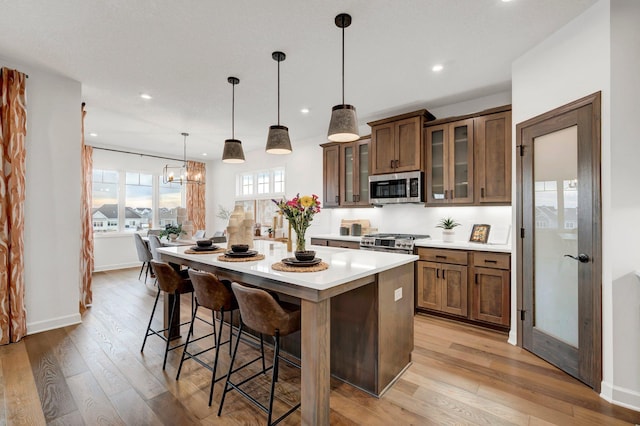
column 239, row 248
column 204, row 243
column 305, row 256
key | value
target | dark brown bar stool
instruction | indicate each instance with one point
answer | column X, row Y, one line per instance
column 169, row 282
column 215, row 295
column 260, row 311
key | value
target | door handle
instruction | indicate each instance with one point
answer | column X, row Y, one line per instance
column 582, row 258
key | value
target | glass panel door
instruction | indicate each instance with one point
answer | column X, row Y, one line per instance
column 437, row 181
column 348, row 174
column 363, row 157
column 556, row 234
column 460, row 162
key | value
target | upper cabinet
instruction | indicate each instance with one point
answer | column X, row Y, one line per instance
column 346, row 173
column 449, row 149
column 396, row 143
column 493, row 158
column 468, row 159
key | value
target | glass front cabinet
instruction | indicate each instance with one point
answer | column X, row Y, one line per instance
column 354, row 173
column 449, row 151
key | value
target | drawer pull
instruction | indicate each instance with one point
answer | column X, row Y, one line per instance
column 437, row 273
column 439, row 256
column 490, row 261
column 475, row 278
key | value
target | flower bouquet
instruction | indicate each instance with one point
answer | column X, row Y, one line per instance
column 299, row 212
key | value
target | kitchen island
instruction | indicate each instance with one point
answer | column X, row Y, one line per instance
column 357, row 315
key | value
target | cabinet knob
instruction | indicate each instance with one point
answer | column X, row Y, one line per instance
column 337, row 199
column 391, row 164
column 482, row 192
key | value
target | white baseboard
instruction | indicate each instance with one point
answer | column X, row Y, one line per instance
column 627, row 398
column 113, row 267
column 51, row 324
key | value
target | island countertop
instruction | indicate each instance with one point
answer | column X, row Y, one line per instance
column 344, row 265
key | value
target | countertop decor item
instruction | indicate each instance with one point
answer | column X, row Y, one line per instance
column 240, row 248
column 305, row 256
column 447, row 224
column 204, row 243
column 170, row 230
column 299, row 212
column 480, row 234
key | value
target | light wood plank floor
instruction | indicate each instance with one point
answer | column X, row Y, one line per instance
column 94, row 373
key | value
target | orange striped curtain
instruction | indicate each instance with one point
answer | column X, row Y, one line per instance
column 195, row 196
column 13, row 130
column 86, row 255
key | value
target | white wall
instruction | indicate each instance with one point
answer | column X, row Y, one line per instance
column 52, row 205
column 598, row 51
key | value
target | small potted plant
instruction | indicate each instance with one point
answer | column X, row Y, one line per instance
column 172, row 232
column 447, row 224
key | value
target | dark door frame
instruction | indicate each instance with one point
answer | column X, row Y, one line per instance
column 595, row 327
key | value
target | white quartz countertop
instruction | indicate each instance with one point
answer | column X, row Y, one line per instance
column 464, row 245
column 428, row 242
column 345, row 265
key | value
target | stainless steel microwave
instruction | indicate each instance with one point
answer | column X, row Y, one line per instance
column 396, row 188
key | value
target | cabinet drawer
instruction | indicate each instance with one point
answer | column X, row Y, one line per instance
column 492, row 260
column 319, row 242
column 444, row 256
column 344, row 244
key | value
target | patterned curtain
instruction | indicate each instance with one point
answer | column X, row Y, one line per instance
column 195, row 196
column 13, row 130
column 86, row 256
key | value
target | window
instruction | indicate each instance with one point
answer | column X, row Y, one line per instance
column 278, row 181
column 170, row 198
column 247, row 185
column 105, row 200
column 261, row 184
column 138, row 201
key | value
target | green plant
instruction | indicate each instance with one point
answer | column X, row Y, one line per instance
column 171, row 229
column 447, row 223
column 223, row 213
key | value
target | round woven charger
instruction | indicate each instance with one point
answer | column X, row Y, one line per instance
column 190, row 251
column 225, row 258
column 279, row 266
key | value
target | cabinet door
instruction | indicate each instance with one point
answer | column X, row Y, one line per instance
column 459, row 156
column 362, row 172
column 493, row 158
column 382, row 149
column 491, row 296
column 429, row 289
column 454, row 289
column 436, row 178
column 348, row 173
column 408, row 144
column 344, row 244
column 331, row 176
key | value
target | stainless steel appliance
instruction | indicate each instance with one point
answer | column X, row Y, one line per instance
column 396, row 243
column 396, row 188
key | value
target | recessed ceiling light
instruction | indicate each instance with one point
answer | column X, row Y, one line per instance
column 93, row 134
column 437, row 68
column 204, row 154
column 305, row 110
column 146, row 96
column 506, row 1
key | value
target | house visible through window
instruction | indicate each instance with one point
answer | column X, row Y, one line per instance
column 255, row 190
column 138, row 201
column 105, row 200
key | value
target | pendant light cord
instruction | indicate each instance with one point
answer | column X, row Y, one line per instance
column 185, row 150
column 278, row 92
column 233, row 109
column 342, row 60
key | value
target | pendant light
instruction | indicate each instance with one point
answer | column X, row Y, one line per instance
column 344, row 122
column 278, row 141
column 181, row 174
column 233, row 152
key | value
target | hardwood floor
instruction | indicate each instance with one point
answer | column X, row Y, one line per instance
column 94, row 373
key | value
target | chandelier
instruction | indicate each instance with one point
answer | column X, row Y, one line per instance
column 181, row 174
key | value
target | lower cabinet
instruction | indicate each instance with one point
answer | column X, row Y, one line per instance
column 471, row 286
column 335, row 243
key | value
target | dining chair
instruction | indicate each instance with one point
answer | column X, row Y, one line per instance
column 199, row 234
column 154, row 245
column 144, row 255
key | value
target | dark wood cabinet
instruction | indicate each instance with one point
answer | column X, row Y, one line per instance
column 346, row 173
column 331, row 175
column 493, row 158
column 396, row 143
column 335, row 243
column 491, row 288
column 471, row 286
column 468, row 159
column 449, row 152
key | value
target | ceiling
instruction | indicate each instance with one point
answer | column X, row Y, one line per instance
column 181, row 52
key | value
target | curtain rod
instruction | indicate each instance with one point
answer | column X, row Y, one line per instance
column 136, row 153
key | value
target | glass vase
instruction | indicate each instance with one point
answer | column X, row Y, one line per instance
column 300, row 242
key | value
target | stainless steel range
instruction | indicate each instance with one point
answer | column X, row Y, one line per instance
column 396, row 243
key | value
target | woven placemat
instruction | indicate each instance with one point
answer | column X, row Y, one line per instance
column 191, row 251
column 279, row 266
column 226, row 258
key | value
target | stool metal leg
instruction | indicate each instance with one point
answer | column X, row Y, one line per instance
column 153, row 311
column 274, row 374
column 233, row 358
column 176, row 299
column 186, row 345
column 215, row 359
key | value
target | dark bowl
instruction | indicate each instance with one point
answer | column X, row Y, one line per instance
column 305, row 256
column 204, row 243
column 239, row 248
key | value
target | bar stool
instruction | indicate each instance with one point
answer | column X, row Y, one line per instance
column 215, row 295
column 169, row 282
column 260, row 311
column 144, row 255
